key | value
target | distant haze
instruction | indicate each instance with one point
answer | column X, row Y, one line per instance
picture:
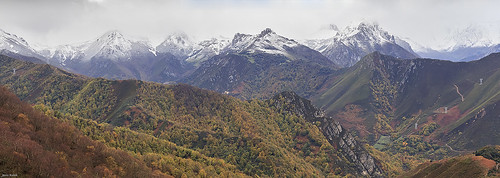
column 56, row 22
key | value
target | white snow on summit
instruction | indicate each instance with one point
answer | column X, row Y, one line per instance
column 65, row 52
column 177, row 44
column 267, row 41
column 471, row 42
column 365, row 35
column 472, row 36
column 112, row 45
column 206, row 49
column 15, row 44
column 349, row 45
column 185, row 48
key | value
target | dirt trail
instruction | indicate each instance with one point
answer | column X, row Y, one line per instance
column 458, row 91
column 454, row 150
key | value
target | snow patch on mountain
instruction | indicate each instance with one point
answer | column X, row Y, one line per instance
column 471, row 42
column 63, row 53
column 267, row 42
column 206, row 49
column 187, row 49
column 113, row 45
column 348, row 46
column 15, row 44
column 177, row 44
column 470, row 36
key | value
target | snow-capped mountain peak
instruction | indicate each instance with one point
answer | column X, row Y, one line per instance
column 60, row 54
column 349, row 45
column 365, row 32
column 265, row 32
column 182, row 39
column 185, row 48
column 267, row 41
column 113, row 38
column 207, row 49
column 111, row 45
column 467, row 43
column 114, row 45
column 15, row 44
column 240, row 40
column 178, row 44
column 471, row 36
column 11, row 38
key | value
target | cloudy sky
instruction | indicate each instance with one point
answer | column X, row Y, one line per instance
column 55, row 22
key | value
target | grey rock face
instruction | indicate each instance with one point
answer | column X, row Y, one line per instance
column 333, row 131
column 356, row 154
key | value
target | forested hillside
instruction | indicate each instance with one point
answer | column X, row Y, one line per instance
column 34, row 144
column 434, row 100
column 255, row 137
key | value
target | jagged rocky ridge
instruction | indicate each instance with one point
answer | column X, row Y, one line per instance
column 338, row 136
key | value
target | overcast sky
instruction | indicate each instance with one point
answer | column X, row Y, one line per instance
column 55, row 22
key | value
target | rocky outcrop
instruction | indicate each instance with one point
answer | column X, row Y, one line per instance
column 340, row 137
column 333, row 131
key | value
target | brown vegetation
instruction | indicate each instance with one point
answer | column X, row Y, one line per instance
column 33, row 144
column 464, row 166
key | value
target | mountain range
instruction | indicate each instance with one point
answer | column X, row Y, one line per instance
column 15, row 46
column 464, row 44
column 261, row 65
column 348, row 46
column 382, row 108
column 171, row 125
column 115, row 56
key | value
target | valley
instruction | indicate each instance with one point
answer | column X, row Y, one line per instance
column 360, row 103
column 272, row 140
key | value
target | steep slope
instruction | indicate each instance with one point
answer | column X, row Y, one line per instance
column 14, row 46
column 259, row 139
column 338, row 136
column 383, row 95
column 36, row 145
column 348, row 46
column 259, row 66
